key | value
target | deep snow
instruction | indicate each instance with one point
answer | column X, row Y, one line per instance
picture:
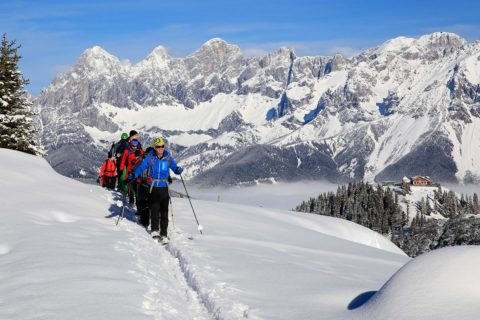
column 62, row 257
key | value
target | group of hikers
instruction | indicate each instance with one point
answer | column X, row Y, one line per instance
column 143, row 176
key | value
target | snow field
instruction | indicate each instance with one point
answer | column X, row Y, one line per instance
column 274, row 265
column 62, row 257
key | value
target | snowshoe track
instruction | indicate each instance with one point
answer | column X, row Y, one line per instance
column 183, row 282
column 191, row 279
column 164, row 276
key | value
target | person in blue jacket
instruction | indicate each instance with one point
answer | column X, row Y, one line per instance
column 158, row 164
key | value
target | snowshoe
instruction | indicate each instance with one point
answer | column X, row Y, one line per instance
column 164, row 240
column 156, row 236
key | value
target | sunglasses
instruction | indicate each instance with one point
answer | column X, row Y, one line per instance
column 158, row 147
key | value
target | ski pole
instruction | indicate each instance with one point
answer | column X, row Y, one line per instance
column 198, row 224
column 171, row 206
column 123, row 209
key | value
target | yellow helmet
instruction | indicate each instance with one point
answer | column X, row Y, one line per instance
column 158, row 141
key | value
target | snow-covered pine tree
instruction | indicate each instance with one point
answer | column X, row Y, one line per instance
column 476, row 204
column 16, row 128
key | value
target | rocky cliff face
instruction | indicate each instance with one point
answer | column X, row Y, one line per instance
column 408, row 107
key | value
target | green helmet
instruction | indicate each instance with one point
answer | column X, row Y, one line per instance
column 158, row 141
column 124, row 135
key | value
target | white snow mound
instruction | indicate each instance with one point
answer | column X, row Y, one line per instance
column 435, row 285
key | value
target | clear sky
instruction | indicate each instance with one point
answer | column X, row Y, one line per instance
column 53, row 33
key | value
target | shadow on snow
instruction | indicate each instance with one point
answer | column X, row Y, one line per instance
column 361, row 299
column 115, row 210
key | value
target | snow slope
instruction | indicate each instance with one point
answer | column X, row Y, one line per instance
column 62, row 257
column 442, row 284
column 413, row 201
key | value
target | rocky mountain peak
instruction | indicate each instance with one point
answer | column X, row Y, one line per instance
column 157, row 59
column 282, row 57
column 285, row 51
column 442, row 39
column 396, row 44
column 428, row 47
column 215, row 42
column 159, row 52
column 217, row 47
column 214, row 56
column 440, row 44
column 97, row 59
column 98, row 53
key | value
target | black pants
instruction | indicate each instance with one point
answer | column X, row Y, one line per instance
column 110, row 182
column 132, row 189
column 143, row 210
column 158, row 204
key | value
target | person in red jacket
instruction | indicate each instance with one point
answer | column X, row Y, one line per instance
column 128, row 157
column 108, row 172
column 134, row 136
column 128, row 161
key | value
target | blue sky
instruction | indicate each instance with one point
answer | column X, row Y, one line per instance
column 53, row 33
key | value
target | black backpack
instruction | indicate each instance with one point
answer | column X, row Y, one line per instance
column 118, row 147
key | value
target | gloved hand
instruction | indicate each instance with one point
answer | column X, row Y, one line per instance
column 169, row 180
column 98, row 180
column 179, row 170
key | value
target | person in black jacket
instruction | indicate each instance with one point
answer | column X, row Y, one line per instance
column 117, row 150
column 142, row 193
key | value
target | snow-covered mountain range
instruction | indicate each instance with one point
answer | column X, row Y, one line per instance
column 407, row 107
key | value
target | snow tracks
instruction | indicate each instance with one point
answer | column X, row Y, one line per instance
column 168, row 295
column 174, row 288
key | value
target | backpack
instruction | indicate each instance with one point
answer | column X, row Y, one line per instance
column 118, row 148
column 113, row 148
column 111, row 172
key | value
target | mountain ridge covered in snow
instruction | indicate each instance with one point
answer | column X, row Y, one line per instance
column 410, row 106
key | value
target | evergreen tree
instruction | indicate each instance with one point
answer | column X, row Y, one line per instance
column 428, row 208
column 423, row 206
column 406, row 188
column 476, row 204
column 16, row 129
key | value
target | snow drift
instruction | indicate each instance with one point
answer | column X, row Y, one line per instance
column 442, row 284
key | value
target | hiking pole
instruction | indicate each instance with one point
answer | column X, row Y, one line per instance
column 122, row 213
column 124, row 193
column 198, row 224
column 171, row 206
